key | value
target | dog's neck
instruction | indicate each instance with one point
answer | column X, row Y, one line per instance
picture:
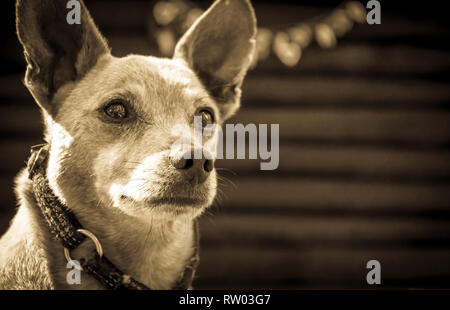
column 154, row 252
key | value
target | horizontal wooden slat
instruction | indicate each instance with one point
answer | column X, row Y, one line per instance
column 282, row 231
column 295, row 194
column 380, row 125
column 247, row 267
column 278, row 232
column 350, row 161
column 343, row 92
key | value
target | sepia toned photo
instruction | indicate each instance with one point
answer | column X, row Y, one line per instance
column 224, row 145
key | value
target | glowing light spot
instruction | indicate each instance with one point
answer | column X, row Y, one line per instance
column 288, row 52
column 325, row 36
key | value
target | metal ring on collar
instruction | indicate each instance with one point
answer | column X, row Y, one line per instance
column 94, row 239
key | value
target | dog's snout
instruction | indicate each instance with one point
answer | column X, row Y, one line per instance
column 182, row 163
column 192, row 167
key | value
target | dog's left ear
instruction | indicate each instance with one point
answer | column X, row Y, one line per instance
column 219, row 47
column 57, row 51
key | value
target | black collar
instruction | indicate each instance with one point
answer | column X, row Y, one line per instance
column 64, row 226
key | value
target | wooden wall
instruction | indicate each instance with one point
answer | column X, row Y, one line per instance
column 364, row 155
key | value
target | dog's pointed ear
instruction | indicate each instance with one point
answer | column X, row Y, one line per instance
column 59, row 46
column 219, row 47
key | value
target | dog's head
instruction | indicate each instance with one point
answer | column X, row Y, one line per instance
column 120, row 128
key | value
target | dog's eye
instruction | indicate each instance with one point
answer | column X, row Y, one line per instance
column 116, row 110
column 207, row 117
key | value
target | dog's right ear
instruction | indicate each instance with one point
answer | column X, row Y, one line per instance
column 219, row 47
column 56, row 52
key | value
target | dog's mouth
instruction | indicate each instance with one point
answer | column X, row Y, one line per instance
column 171, row 201
column 177, row 197
column 176, row 201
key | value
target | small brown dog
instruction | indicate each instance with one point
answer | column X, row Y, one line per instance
column 108, row 166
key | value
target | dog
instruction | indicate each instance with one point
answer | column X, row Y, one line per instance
column 108, row 164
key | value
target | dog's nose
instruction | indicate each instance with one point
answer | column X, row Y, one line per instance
column 192, row 168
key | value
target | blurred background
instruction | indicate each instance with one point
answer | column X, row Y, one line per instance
column 364, row 142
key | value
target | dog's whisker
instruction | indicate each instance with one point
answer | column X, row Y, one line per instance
column 226, row 170
column 225, row 181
